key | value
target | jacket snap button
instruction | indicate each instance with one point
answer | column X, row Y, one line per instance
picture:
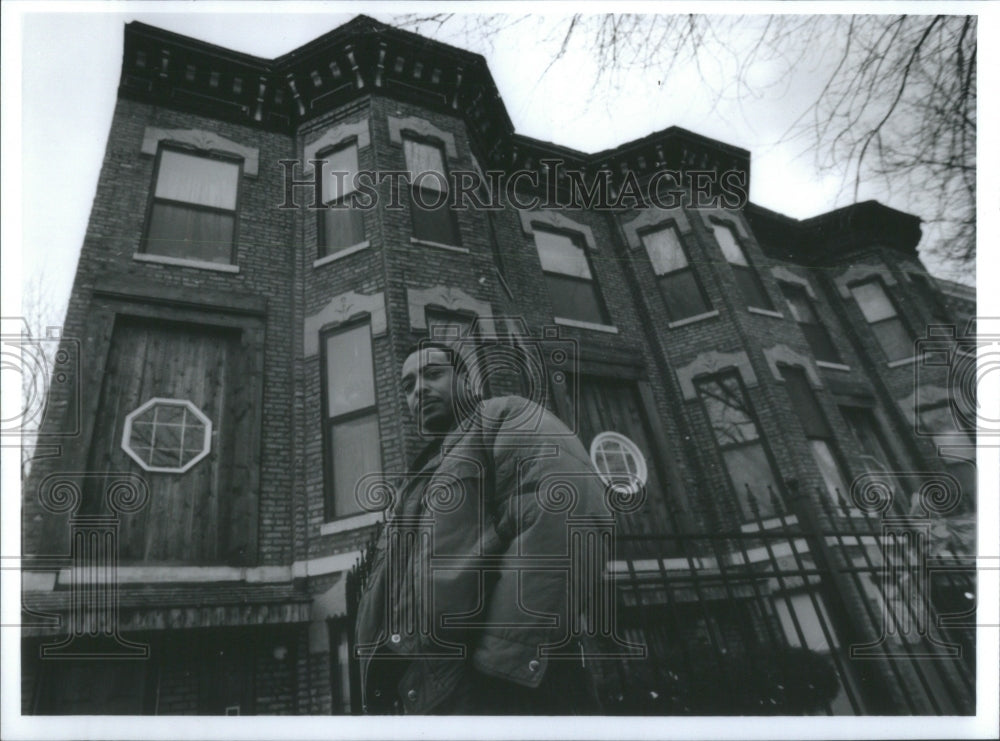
column 378, row 693
column 395, row 638
column 533, row 665
column 411, row 695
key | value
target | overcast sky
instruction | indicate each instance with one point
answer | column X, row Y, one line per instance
column 72, row 62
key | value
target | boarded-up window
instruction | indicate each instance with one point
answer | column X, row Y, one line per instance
column 571, row 285
column 208, row 514
column 353, row 447
column 193, row 214
column 679, row 284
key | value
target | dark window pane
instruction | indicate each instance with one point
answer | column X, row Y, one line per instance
column 574, row 298
column 804, row 402
column 354, row 452
column 433, row 225
column 190, row 233
column 682, row 294
column 751, row 287
column 342, row 227
column 799, row 304
column 894, row 339
column 820, row 343
column 749, row 468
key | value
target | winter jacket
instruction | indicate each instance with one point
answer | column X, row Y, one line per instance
column 473, row 564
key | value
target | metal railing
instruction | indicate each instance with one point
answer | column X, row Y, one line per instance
column 816, row 606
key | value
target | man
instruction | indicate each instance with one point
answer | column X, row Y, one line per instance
column 469, row 606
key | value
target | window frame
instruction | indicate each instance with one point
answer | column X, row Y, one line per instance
column 323, row 248
column 187, row 404
column 663, row 278
column 897, row 316
column 638, row 480
column 452, row 219
column 190, row 151
column 765, row 508
column 328, row 422
column 580, row 243
column 750, row 269
column 825, row 434
column 821, row 329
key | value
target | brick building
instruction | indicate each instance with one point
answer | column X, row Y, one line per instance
column 230, row 372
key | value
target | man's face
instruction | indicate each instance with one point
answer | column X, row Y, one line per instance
column 430, row 385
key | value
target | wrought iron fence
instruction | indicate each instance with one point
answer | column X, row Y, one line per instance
column 819, row 606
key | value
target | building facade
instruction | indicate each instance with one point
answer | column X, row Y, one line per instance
column 782, row 399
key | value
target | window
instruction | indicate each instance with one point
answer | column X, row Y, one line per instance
column 619, row 462
column 433, row 220
column 817, row 430
column 802, row 308
column 167, row 435
column 193, row 214
column 570, row 281
column 956, row 447
column 738, row 439
column 880, row 313
column 875, row 455
column 340, row 224
column 679, row 285
column 930, row 297
column 353, row 446
column 747, row 279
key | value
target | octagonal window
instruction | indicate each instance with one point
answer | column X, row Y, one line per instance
column 619, row 461
column 167, row 435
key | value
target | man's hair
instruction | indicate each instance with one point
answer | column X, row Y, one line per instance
column 453, row 355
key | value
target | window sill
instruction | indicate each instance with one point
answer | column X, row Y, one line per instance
column 440, row 245
column 354, row 522
column 833, row 366
column 692, row 319
column 765, row 312
column 326, row 259
column 903, row 361
column 185, row 263
column 586, row 325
